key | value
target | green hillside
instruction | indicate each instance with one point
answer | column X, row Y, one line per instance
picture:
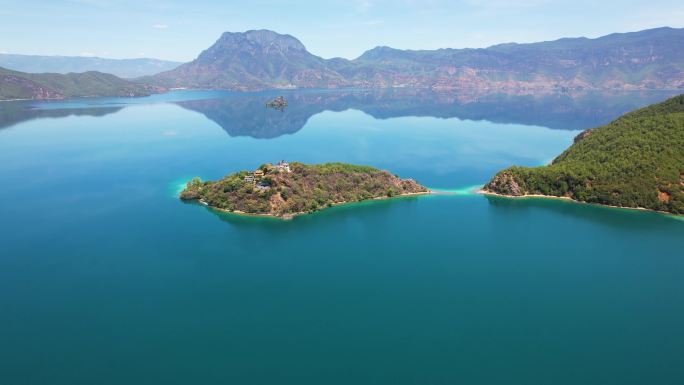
column 635, row 161
column 21, row 85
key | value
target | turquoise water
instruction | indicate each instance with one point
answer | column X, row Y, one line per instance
column 107, row 278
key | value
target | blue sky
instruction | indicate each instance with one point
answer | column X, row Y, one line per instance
column 179, row 30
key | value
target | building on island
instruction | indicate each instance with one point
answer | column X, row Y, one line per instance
column 257, row 176
column 283, row 166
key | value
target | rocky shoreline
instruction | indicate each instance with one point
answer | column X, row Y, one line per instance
column 569, row 199
column 291, row 216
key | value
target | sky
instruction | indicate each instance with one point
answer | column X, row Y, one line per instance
column 180, row 29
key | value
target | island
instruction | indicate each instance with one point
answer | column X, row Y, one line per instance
column 278, row 103
column 635, row 161
column 284, row 190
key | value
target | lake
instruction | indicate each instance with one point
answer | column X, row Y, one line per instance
column 107, row 278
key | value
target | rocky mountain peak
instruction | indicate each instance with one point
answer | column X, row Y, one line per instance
column 263, row 41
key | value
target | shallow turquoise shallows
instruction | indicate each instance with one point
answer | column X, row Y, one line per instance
column 107, row 278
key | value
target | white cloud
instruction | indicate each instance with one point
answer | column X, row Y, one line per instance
column 160, row 26
column 87, row 54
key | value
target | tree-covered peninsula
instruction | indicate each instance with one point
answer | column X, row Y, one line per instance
column 287, row 189
column 635, row 161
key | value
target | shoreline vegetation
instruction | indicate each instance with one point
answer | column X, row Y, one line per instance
column 635, row 161
column 568, row 199
column 286, row 190
column 293, row 215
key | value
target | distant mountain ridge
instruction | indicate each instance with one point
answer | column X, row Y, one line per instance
column 263, row 59
column 124, row 68
column 253, row 60
column 21, row 85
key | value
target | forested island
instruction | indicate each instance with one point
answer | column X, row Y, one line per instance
column 286, row 189
column 636, row 161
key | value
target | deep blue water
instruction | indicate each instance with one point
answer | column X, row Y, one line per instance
column 107, row 278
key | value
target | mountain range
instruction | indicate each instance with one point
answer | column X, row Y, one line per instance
column 263, row 59
column 124, row 68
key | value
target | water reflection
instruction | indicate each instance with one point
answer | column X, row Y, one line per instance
column 632, row 220
column 246, row 114
column 12, row 113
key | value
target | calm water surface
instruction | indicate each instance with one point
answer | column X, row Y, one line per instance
column 107, row 278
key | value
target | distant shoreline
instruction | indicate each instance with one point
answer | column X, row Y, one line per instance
column 82, row 97
column 352, row 88
column 21, row 100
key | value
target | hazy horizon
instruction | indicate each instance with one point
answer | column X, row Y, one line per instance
column 179, row 31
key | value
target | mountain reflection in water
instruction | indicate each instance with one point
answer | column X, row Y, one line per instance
column 245, row 114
